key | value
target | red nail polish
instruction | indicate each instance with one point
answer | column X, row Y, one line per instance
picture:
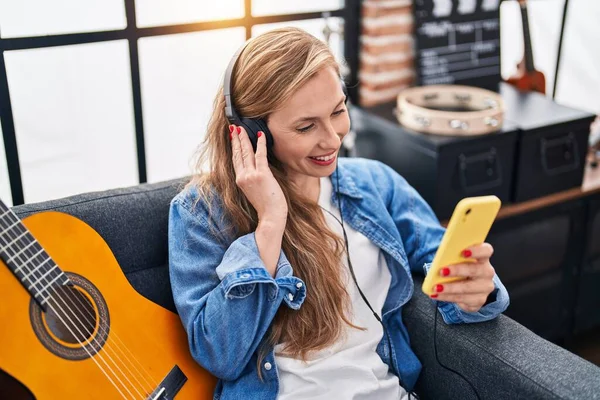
column 467, row 253
column 239, row 130
column 439, row 288
column 260, row 133
column 230, row 135
column 434, row 295
column 231, row 128
column 445, row 271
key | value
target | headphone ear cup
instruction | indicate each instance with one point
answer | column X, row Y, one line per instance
column 252, row 130
column 263, row 127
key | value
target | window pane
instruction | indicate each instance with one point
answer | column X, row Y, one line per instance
column 314, row 27
column 180, row 75
column 4, row 183
column 73, row 118
column 42, row 17
column 275, row 7
column 161, row 12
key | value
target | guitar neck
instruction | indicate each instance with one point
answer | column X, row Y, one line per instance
column 529, row 64
column 26, row 258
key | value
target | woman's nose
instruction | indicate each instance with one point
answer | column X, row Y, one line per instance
column 331, row 136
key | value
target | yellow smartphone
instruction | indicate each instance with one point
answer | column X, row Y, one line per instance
column 469, row 225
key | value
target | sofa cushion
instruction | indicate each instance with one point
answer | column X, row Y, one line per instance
column 133, row 221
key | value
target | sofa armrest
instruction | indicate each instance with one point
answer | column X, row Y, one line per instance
column 501, row 358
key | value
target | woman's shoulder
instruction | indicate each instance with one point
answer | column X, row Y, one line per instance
column 195, row 199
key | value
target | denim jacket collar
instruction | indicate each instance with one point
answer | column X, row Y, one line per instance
column 347, row 186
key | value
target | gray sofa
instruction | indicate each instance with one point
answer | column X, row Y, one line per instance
column 501, row 358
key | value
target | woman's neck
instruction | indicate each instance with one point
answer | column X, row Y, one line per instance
column 309, row 186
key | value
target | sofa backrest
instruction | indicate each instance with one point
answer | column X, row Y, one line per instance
column 133, row 222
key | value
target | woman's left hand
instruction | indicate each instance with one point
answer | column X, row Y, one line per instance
column 469, row 294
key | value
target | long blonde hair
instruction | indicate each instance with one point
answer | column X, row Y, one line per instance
column 269, row 70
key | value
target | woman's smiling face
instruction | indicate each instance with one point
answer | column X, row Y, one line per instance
column 308, row 129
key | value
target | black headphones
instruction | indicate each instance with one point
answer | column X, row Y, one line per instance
column 251, row 125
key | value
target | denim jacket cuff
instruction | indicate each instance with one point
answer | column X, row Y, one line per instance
column 242, row 268
column 453, row 314
column 293, row 291
column 240, row 284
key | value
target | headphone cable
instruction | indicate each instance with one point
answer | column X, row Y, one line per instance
column 377, row 317
column 435, row 316
column 435, row 319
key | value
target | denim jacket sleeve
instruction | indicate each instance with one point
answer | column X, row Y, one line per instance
column 421, row 234
column 225, row 297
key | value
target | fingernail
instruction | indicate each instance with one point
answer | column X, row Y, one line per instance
column 445, row 271
column 434, row 295
column 231, row 128
column 467, row 253
column 260, row 133
column 239, row 130
column 439, row 288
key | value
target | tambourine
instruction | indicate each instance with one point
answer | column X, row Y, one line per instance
column 435, row 109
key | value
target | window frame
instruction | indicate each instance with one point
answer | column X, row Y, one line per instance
column 350, row 13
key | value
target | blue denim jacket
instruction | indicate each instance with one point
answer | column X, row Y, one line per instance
column 226, row 298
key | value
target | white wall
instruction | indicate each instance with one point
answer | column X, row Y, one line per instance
column 579, row 74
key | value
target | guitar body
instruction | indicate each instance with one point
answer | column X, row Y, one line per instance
column 143, row 341
column 527, row 77
column 530, row 81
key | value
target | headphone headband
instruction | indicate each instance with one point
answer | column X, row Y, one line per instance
column 229, row 109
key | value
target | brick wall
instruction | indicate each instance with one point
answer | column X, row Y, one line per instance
column 386, row 50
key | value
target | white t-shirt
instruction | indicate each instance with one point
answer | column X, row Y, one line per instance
column 351, row 369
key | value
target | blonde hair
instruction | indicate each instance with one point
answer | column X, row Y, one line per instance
column 269, row 70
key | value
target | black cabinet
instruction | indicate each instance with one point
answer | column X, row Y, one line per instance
column 553, row 142
column 537, row 256
column 587, row 312
column 443, row 169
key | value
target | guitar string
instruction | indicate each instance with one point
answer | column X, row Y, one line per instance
column 51, row 299
column 116, row 336
column 38, row 280
column 47, row 289
column 96, row 362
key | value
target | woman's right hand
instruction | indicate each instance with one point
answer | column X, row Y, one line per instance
column 254, row 177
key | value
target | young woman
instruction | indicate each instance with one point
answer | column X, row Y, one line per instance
column 259, row 266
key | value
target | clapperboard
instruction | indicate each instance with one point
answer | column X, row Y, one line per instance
column 457, row 42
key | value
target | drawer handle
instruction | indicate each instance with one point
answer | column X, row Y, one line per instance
column 479, row 171
column 559, row 155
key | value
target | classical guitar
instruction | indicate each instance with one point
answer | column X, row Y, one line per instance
column 527, row 78
column 72, row 327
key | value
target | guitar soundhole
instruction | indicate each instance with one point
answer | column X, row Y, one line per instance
column 76, row 323
column 74, row 319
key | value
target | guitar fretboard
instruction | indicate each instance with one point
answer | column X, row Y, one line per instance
column 26, row 258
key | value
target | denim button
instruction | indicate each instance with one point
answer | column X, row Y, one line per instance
column 268, row 366
column 291, row 297
column 299, row 285
column 245, row 276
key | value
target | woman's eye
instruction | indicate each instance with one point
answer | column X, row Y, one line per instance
column 306, row 128
column 339, row 112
